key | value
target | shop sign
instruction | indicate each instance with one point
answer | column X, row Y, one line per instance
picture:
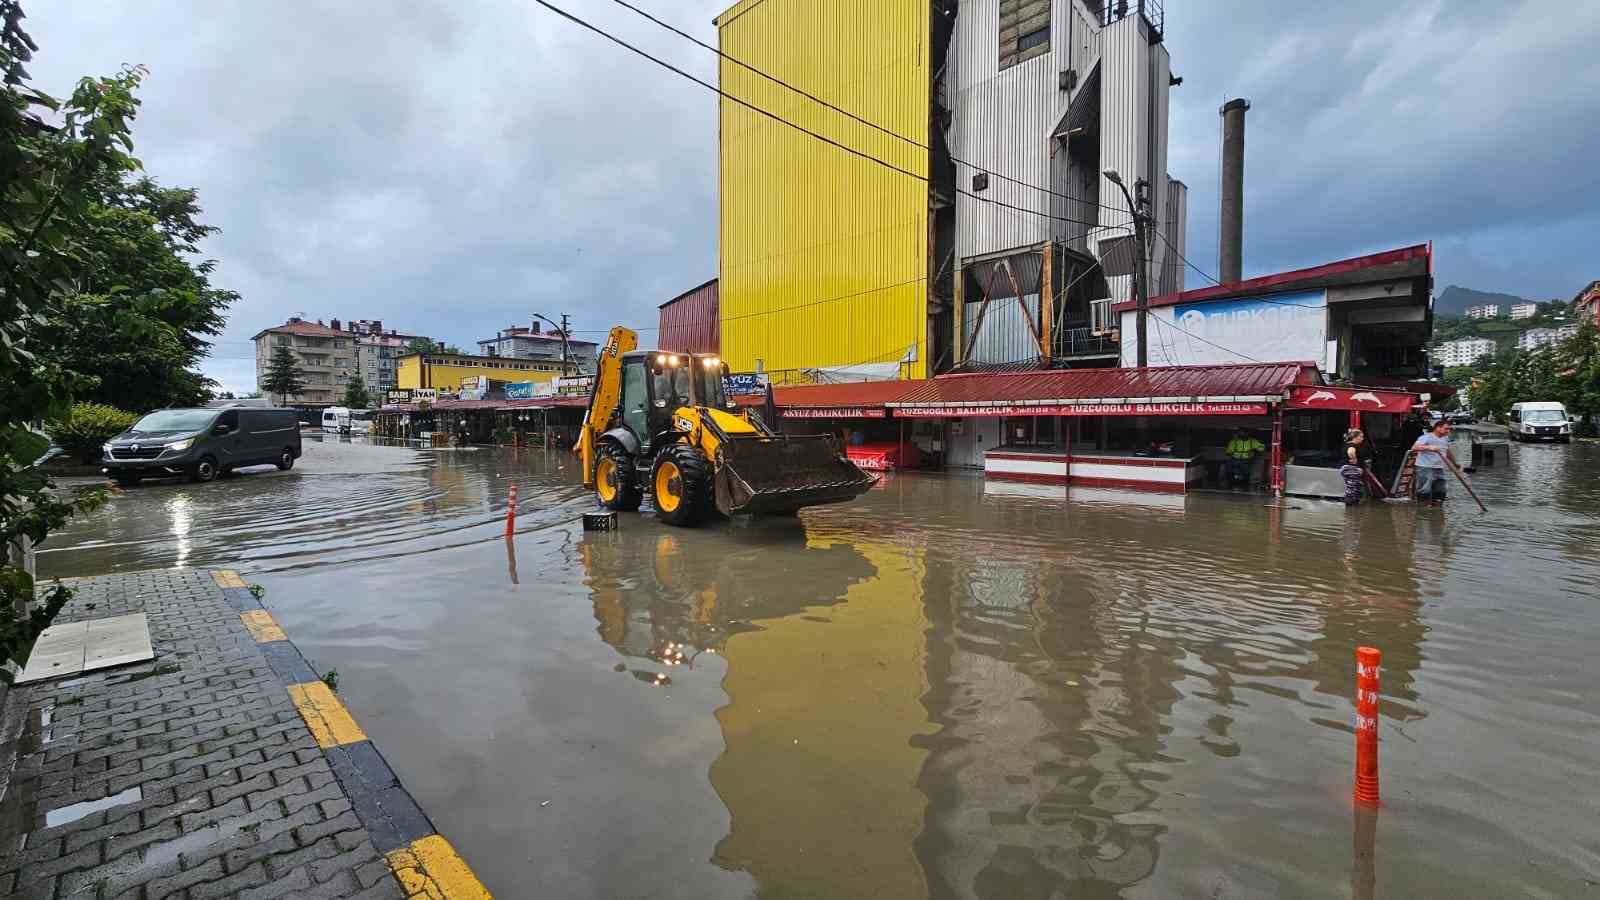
column 1353, row 399
column 574, row 385
column 1087, row 409
column 399, row 396
column 835, row 412
column 471, row 382
column 527, row 390
column 425, row 394
column 745, row 383
column 1278, row 328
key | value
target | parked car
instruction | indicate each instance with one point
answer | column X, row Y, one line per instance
column 202, row 443
column 1460, row 418
column 1540, row 421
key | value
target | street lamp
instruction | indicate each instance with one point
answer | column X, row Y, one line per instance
column 563, row 332
column 1141, row 290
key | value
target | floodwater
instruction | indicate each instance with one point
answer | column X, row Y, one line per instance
column 949, row 688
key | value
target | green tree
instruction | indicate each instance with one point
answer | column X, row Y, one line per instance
column 284, row 376
column 140, row 312
column 355, row 393
column 419, row 345
column 49, row 177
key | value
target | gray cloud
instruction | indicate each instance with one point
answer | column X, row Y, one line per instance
column 453, row 166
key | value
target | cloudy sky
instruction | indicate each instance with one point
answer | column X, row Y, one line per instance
column 450, row 166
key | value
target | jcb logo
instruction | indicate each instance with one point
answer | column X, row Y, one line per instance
column 684, row 425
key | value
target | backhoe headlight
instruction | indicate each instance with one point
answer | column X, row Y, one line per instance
column 184, row 444
column 661, row 359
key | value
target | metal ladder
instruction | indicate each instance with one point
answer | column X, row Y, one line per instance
column 1405, row 480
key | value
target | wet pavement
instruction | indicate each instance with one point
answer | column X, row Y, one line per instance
column 949, row 688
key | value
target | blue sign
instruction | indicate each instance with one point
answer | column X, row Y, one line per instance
column 1288, row 327
column 519, row 390
column 747, row 383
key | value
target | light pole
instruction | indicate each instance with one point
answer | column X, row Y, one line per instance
column 563, row 333
column 1141, row 288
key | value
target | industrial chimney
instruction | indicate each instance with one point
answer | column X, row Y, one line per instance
column 1230, row 222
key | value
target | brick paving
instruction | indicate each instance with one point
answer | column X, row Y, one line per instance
column 235, row 797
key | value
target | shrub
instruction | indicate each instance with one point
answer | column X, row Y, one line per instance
column 88, row 426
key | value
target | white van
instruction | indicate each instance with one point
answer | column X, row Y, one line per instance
column 344, row 420
column 1540, row 421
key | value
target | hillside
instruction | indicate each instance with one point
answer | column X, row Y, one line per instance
column 1454, row 300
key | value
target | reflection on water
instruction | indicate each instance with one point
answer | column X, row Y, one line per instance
column 949, row 688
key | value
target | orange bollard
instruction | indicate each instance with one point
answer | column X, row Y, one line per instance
column 511, row 512
column 1367, row 662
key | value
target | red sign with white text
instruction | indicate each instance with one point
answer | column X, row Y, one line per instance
column 1350, row 399
column 834, row 412
column 1086, row 409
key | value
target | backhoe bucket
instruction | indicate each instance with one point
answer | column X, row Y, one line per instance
column 783, row 474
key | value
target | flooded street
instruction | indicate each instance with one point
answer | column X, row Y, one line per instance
column 949, row 688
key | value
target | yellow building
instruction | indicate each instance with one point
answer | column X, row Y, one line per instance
column 444, row 371
column 825, row 254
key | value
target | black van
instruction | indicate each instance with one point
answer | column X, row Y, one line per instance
column 202, row 443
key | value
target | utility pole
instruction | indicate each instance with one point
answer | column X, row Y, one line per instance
column 565, row 371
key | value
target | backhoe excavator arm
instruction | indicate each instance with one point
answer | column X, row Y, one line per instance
column 605, row 395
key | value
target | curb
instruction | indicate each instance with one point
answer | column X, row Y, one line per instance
column 423, row 862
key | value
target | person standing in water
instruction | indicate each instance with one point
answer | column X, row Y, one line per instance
column 1430, row 449
column 1354, row 470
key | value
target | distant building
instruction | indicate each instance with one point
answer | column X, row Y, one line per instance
column 1539, row 338
column 445, row 371
column 1587, row 303
column 1524, row 310
column 519, row 342
column 1464, row 351
column 330, row 355
column 1483, row 311
column 324, row 355
column 375, row 351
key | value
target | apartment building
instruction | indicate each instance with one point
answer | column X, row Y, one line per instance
column 1464, row 351
column 1524, row 310
column 528, row 342
column 376, row 351
column 1483, row 311
column 1540, row 338
column 325, row 356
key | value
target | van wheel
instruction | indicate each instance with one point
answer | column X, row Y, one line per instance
column 204, row 470
column 286, row 460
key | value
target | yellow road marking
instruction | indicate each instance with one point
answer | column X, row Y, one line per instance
column 228, row 578
column 330, row 723
column 431, row 868
column 262, row 627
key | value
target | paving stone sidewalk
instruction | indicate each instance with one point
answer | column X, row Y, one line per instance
column 213, row 786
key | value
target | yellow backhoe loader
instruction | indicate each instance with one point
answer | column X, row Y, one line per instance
column 660, row 421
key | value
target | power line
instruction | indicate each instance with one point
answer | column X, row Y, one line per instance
column 777, row 118
column 850, row 115
column 1214, row 281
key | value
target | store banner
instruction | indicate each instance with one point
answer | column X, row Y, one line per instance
column 1350, row 399
column 745, row 383
column 1287, row 327
column 835, row 412
column 1085, row 409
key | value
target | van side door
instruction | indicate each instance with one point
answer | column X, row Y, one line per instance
column 225, row 440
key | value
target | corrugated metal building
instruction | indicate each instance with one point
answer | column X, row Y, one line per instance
column 824, row 257
column 691, row 321
column 1031, row 135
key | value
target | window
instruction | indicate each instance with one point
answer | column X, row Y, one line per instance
column 1024, row 31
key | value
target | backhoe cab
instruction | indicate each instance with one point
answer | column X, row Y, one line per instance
column 659, row 421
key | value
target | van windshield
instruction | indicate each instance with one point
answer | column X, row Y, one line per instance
column 175, row 420
column 1543, row 415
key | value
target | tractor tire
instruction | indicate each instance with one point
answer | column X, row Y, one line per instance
column 681, row 485
column 616, row 479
